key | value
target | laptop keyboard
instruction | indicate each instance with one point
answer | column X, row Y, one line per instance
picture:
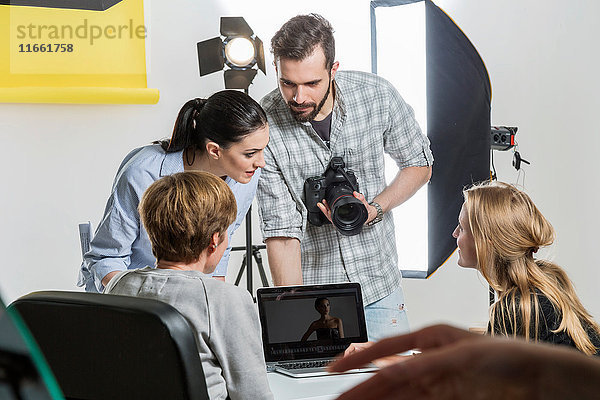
column 304, row 364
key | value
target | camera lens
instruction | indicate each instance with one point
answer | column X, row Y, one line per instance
column 336, row 186
column 348, row 214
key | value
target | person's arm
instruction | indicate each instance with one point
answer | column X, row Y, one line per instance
column 111, row 247
column 380, row 362
column 308, row 332
column 281, row 223
column 341, row 328
column 456, row 364
column 108, row 277
column 409, row 148
column 406, row 183
column 284, row 261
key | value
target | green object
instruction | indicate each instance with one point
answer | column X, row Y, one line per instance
column 15, row 339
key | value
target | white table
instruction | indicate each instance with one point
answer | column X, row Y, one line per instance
column 317, row 388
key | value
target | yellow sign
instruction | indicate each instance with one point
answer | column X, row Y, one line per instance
column 74, row 56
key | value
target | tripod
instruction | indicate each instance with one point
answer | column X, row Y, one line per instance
column 252, row 251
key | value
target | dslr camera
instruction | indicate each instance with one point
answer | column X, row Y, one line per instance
column 336, row 186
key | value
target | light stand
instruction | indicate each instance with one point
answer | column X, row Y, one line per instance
column 237, row 52
column 503, row 139
column 252, row 251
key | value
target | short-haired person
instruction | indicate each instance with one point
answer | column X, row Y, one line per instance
column 499, row 231
column 318, row 113
column 186, row 216
column 224, row 135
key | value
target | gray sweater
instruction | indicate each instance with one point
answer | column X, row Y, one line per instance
column 225, row 321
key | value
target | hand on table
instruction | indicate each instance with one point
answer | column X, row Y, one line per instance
column 455, row 364
column 380, row 362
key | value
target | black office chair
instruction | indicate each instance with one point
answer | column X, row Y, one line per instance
column 115, row 347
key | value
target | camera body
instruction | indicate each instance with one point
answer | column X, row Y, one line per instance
column 336, row 186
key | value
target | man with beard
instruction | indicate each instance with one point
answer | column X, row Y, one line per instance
column 318, row 113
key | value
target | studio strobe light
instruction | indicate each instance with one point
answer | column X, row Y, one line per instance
column 237, row 51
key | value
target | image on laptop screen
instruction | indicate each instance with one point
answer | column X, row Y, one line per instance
column 303, row 322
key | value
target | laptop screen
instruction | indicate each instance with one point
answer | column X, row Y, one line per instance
column 312, row 321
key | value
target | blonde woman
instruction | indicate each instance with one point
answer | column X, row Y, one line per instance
column 499, row 231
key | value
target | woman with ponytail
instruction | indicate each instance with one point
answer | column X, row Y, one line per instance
column 224, row 134
column 499, row 231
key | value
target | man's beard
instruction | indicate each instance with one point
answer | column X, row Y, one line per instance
column 301, row 117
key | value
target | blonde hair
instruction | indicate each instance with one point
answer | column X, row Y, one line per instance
column 508, row 229
column 181, row 212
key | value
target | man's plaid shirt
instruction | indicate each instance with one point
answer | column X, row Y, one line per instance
column 369, row 117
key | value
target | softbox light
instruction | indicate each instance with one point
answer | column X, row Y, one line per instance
column 458, row 101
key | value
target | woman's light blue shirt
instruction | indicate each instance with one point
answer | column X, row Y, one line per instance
column 121, row 242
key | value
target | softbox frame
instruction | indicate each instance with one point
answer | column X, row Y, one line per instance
column 458, row 124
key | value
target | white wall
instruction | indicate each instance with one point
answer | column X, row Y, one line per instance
column 59, row 160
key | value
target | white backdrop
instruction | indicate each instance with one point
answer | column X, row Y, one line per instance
column 59, row 160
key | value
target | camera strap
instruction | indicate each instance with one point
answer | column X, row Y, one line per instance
column 343, row 172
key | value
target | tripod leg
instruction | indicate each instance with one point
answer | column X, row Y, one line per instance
column 242, row 268
column 259, row 265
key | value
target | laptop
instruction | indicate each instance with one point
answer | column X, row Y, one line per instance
column 306, row 327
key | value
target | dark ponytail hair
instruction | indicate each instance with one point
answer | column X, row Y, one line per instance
column 224, row 118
